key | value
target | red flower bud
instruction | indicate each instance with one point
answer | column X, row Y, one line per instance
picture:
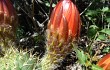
column 63, row 29
column 7, row 14
column 105, row 62
column 65, row 21
column 8, row 24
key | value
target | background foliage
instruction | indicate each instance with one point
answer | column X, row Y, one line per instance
column 34, row 15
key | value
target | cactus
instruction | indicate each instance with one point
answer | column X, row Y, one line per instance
column 8, row 24
column 15, row 60
column 63, row 29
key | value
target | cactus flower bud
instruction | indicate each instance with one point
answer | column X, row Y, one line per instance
column 105, row 62
column 7, row 14
column 8, row 22
column 65, row 21
column 63, row 29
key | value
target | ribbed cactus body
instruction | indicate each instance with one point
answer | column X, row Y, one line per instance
column 15, row 60
column 62, row 31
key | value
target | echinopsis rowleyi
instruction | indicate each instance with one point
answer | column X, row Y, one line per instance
column 8, row 24
column 63, row 30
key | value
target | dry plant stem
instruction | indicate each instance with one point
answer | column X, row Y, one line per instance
column 32, row 17
column 92, row 42
column 98, row 50
column 87, row 7
column 51, row 2
column 42, row 9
